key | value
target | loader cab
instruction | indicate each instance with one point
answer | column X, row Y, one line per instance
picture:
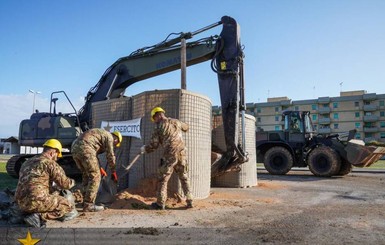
column 298, row 126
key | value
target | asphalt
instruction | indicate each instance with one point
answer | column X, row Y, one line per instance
column 355, row 170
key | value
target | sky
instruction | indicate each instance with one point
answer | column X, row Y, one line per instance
column 302, row 49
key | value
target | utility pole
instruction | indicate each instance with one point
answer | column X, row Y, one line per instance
column 34, row 97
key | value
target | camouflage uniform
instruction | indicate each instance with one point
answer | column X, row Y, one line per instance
column 168, row 133
column 85, row 150
column 34, row 189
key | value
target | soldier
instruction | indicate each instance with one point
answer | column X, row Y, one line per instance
column 34, row 193
column 168, row 133
column 85, row 150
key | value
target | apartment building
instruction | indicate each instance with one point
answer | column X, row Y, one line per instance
column 352, row 109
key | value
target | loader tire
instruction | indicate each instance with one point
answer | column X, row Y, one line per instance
column 278, row 160
column 345, row 169
column 323, row 161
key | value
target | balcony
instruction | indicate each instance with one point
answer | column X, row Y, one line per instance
column 286, row 103
column 371, row 118
column 324, row 121
column 250, row 106
column 370, row 107
column 324, row 110
column 370, row 129
column 324, row 130
column 369, row 97
column 323, row 100
column 368, row 139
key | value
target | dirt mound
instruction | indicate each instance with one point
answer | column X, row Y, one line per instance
column 142, row 197
column 270, row 185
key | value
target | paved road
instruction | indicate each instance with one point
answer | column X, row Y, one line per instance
column 298, row 208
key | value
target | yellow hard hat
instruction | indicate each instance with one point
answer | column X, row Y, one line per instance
column 154, row 111
column 54, row 144
column 119, row 135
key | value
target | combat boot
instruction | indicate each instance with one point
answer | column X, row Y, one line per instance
column 155, row 205
column 33, row 220
column 92, row 207
column 71, row 215
column 189, row 204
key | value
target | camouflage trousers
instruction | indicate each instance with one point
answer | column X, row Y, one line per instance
column 88, row 163
column 177, row 163
column 49, row 206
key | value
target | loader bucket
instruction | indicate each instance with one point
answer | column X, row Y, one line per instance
column 363, row 156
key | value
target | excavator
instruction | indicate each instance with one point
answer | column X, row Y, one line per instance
column 226, row 55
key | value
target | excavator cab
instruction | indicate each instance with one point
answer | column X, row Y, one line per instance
column 50, row 125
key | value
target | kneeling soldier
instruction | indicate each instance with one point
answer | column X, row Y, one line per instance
column 34, row 193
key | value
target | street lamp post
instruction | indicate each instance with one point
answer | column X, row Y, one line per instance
column 34, row 97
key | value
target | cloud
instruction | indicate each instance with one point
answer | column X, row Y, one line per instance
column 15, row 108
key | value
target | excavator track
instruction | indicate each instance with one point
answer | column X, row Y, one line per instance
column 14, row 164
column 66, row 162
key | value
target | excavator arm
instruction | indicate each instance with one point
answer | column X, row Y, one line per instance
column 137, row 67
column 225, row 53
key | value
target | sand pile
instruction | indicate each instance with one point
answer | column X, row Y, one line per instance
column 142, row 197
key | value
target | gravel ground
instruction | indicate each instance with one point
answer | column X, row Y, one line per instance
column 294, row 209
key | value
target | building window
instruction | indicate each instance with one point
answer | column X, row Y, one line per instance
column 335, row 115
column 382, row 124
column 336, row 126
column 357, row 114
column 335, row 105
column 276, row 118
column 358, row 136
column 381, row 103
column 314, row 107
column 276, row 109
column 356, row 104
column 277, row 128
column 315, row 127
column 382, row 135
column 357, row 125
column 382, row 113
column 368, row 135
column 296, row 108
column 258, row 119
column 314, row 117
column 258, row 110
column 325, row 105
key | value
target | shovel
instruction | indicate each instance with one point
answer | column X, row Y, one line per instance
column 107, row 190
column 126, row 169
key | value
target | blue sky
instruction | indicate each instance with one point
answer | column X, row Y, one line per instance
column 299, row 49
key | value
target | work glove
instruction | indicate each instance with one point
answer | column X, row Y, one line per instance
column 103, row 172
column 114, row 176
column 143, row 149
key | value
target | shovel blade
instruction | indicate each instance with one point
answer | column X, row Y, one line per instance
column 107, row 191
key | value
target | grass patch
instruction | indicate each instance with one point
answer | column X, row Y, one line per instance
column 5, row 179
column 378, row 165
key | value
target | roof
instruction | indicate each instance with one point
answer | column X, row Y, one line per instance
column 11, row 139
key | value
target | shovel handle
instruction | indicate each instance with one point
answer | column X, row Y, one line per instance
column 132, row 162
